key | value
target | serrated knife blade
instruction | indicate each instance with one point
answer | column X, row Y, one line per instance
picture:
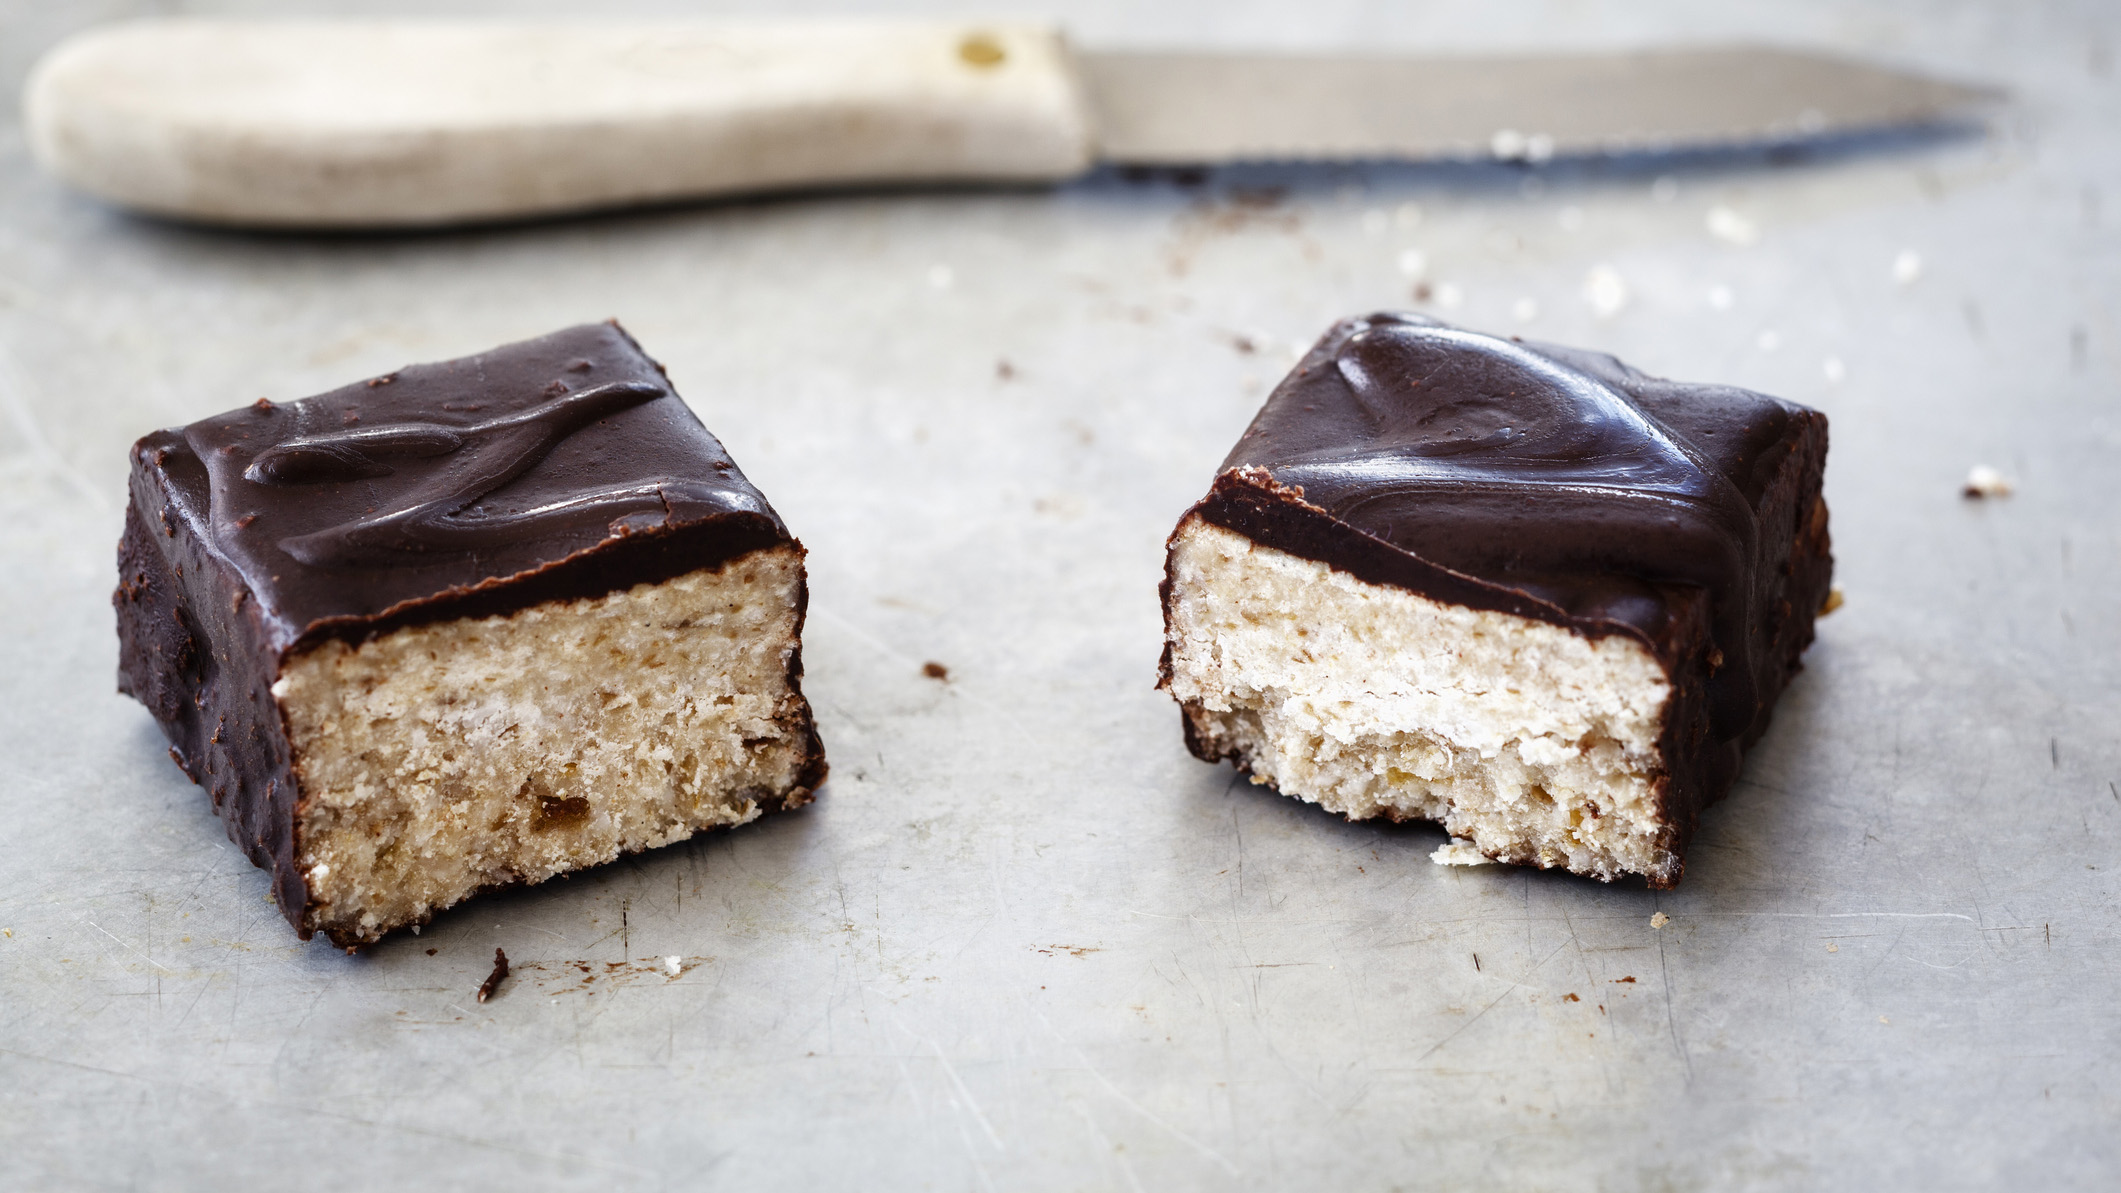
column 1197, row 109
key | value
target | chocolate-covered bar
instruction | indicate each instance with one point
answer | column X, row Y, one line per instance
column 1525, row 591
column 465, row 625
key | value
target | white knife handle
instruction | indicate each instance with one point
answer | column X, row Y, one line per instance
column 382, row 124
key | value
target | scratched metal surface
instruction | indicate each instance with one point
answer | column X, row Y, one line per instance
column 1024, row 941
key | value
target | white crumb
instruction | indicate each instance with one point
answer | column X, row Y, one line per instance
column 1984, row 481
column 1459, row 853
column 1730, row 227
column 1833, row 368
column 1413, row 263
column 1449, row 296
column 1907, row 267
column 676, row 965
column 1524, row 310
column 1721, row 298
column 1660, row 920
column 1605, row 291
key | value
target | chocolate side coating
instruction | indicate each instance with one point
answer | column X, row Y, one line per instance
column 558, row 468
column 1559, row 485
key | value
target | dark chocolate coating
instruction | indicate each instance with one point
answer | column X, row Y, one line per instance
column 1559, row 485
column 557, row 468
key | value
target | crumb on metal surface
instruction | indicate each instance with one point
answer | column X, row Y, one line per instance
column 1731, row 227
column 1459, row 853
column 1605, row 290
column 1984, row 482
column 493, row 980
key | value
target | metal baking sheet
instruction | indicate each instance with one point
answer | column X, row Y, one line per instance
column 1024, row 941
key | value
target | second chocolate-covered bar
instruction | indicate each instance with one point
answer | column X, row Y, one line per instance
column 1521, row 590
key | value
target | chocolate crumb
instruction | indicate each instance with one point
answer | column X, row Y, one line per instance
column 1422, row 292
column 1570, row 998
column 493, row 980
column 246, row 520
column 555, row 389
column 1832, row 602
column 935, row 670
column 1630, row 978
column 1004, row 370
column 432, row 952
column 263, row 406
column 350, row 417
column 385, row 379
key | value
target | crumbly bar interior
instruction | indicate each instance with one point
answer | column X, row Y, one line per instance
column 438, row 759
column 1534, row 743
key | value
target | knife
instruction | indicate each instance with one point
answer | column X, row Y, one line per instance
column 378, row 124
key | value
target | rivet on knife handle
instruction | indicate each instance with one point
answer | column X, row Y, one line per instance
column 380, row 124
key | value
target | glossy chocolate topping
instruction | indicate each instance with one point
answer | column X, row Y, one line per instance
column 401, row 497
column 1541, row 481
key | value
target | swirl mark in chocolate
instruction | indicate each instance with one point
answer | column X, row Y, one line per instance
column 441, row 513
column 349, row 455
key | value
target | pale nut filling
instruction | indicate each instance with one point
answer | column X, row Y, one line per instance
column 439, row 759
column 1534, row 743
